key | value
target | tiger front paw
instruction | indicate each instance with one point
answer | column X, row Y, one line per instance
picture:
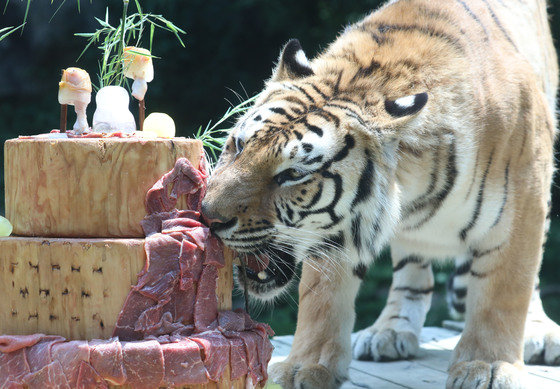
column 483, row 375
column 291, row 375
column 542, row 343
column 385, row 345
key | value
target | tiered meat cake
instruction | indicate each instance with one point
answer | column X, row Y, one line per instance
column 78, row 207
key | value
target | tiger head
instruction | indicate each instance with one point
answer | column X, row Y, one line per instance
column 308, row 173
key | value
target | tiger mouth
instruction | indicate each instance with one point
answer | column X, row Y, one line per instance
column 268, row 266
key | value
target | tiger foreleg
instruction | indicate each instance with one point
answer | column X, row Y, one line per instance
column 320, row 352
column 489, row 353
column 395, row 333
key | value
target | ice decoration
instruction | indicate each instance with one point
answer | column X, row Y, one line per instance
column 160, row 124
column 74, row 89
column 112, row 113
column 5, row 227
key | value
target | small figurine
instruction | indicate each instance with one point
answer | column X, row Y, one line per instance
column 137, row 64
column 112, row 113
column 74, row 89
column 160, row 124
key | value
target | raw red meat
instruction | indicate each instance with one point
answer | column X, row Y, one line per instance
column 106, row 357
column 10, row 343
column 238, row 358
column 153, row 223
column 231, row 321
column 50, row 376
column 184, row 179
column 70, row 355
column 13, row 367
column 190, row 263
column 206, row 306
column 215, row 348
column 143, row 362
column 89, row 379
column 39, row 355
column 183, row 364
column 214, row 254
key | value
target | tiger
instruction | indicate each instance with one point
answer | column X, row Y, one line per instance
column 427, row 127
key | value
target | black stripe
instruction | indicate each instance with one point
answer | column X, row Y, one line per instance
column 282, row 111
column 464, row 268
column 414, row 290
column 460, row 292
column 360, row 271
column 437, row 200
column 336, row 240
column 298, row 135
column 459, row 307
column 314, row 129
column 428, row 31
column 479, row 254
column 476, row 214
column 367, row 71
column 405, row 261
column 506, row 179
column 316, row 197
column 365, row 184
column 492, row 373
column 477, row 274
column 474, row 174
column 307, row 95
column 356, row 227
column 473, row 16
column 497, row 21
column 324, row 96
column 313, row 160
column 399, row 317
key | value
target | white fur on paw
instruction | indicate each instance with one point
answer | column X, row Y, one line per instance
column 542, row 344
column 361, row 346
column 385, row 345
column 483, row 375
column 390, row 345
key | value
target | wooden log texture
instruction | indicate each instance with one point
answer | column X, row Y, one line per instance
column 73, row 287
column 86, row 187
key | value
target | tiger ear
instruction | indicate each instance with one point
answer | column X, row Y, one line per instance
column 292, row 63
column 407, row 105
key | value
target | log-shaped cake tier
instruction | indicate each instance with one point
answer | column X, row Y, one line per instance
column 73, row 287
column 86, row 187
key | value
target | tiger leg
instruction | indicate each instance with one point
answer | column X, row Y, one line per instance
column 320, row 353
column 395, row 333
column 489, row 353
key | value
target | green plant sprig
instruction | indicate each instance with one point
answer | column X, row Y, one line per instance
column 213, row 136
column 113, row 39
column 6, row 31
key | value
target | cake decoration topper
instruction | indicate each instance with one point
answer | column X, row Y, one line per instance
column 112, row 113
column 5, row 227
column 74, row 89
column 137, row 64
column 160, row 125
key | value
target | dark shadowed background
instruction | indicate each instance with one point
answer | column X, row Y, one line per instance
column 230, row 45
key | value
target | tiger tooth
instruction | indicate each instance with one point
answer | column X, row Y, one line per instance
column 262, row 275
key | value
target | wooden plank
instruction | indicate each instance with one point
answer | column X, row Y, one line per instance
column 427, row 370
column 86, row 187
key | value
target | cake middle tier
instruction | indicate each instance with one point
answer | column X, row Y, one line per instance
column 74, row 287
column 86, row 187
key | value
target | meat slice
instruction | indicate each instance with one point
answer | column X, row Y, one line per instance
column 183, row 222
column 106, row 358
column 50, row 376
column 198, row 236
column 184, row 179
column 143, row 362
column 134, row 305
column 214, row 254
column 153, row 223
column 183, row 364
column 9, row 343
column 13, row 367
column 216, row 353
column 190, row 263
column 39, row 355
column 70, row 355
column 251, row 341
column 206, row 306
column 88, row 378
column 231, row 321
column 238, row 358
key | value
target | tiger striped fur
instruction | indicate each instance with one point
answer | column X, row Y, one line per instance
column 427, row 126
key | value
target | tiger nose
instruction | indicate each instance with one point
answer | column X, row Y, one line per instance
column 214, row 219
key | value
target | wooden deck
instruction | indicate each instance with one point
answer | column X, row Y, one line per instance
column 427, row 371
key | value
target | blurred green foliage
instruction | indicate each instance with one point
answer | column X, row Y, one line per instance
column 229, row 45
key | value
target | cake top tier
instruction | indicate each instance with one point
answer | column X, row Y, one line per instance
column 86, row 187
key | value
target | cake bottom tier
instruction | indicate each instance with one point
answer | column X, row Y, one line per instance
column 74, row 288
